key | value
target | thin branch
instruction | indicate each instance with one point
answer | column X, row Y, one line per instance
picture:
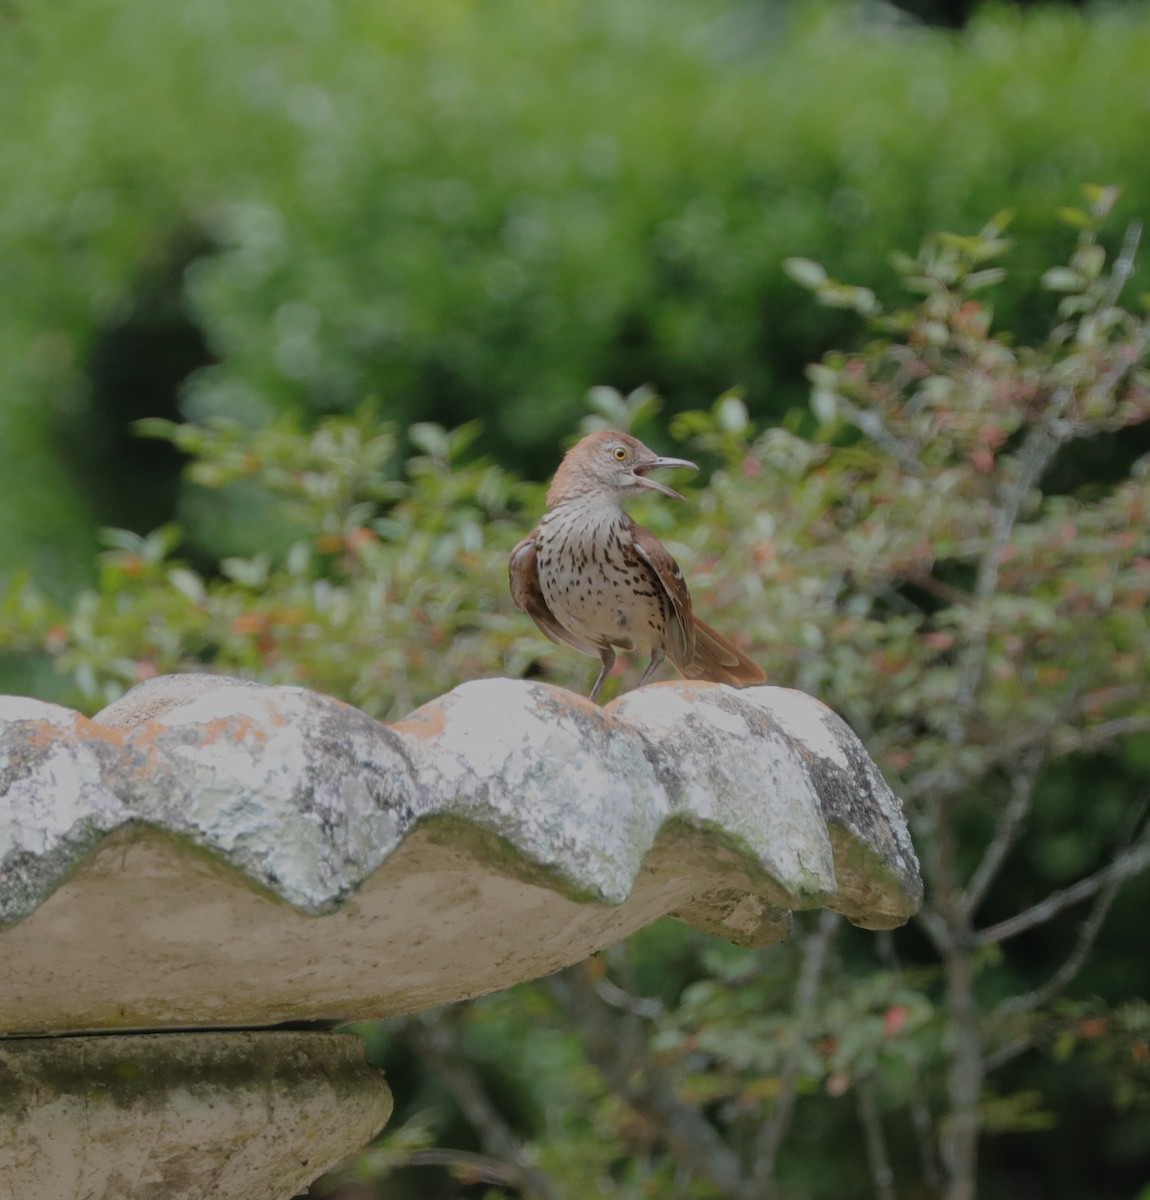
column 1008, row 1051
column 876, row 1152
column 617, row 1048
column 464, row 1162
column 681, row 1183
column 1017, row 1005
column 935, row 928
column 925, row 581
column 612, row 994
column 437, row 1045
column 922, row 1119
column 1100, row 735
column 1124, row 363
column 1035, row 455
column 816, row 951
column 1123, row 267
column 869, row 422
column 950, row 928
column 1136, row 858
column 1087, row 935
column 1031, row 738
column 1006, row 835
column 962, row 1126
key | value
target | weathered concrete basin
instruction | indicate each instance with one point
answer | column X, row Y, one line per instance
column 213, row 854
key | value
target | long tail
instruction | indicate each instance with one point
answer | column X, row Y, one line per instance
column 720, row 662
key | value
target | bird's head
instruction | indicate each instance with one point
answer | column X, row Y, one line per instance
column 612, row 464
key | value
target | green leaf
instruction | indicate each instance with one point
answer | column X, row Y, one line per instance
column 1000, row 221
column 1089, row 259
column 824, row 404
column 248, row 572
column 731, row 413
column 156, row 427
column 990, row 248
column 1075, row 217
column 1064, row 1046
column 609, row 409
column 1101, row 199
column 983, row 279
column 1063, row 279
column 432, row 439
column 805, row 272
column 122, row 539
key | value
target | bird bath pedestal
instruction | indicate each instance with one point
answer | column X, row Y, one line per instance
column 208, row 859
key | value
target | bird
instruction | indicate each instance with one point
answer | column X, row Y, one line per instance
column 593, row 579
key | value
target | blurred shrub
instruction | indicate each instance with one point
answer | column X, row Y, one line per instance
column 987, row 635
column 467, row 211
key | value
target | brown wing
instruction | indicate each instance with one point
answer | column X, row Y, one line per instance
column 680, row 645
column 694, row 647
column 523, row 576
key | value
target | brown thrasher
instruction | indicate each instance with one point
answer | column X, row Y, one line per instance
column 592, row 578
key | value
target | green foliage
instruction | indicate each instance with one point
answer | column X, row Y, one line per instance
column 373, row 598
column 405, row 202
column 736, row 1029
column 907, row 561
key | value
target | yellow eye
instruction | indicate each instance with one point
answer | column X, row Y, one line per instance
column 620, row 453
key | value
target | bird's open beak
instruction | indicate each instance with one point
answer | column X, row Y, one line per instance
column 640, row 470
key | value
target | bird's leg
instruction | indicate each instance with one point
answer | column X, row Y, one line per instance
column 607, row 654
column 657, row 656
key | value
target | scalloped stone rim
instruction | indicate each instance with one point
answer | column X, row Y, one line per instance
column 533, row 813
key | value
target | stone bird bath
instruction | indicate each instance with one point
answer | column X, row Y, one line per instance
column 208, row 859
